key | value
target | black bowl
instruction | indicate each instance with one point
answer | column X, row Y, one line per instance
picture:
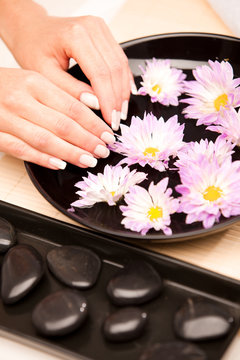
column 186, row 51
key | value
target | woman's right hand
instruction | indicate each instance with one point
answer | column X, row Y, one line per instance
column 43, row 124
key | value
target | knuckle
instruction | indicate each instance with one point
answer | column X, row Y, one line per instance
column 17, row 149
column 42, row 66
column 102, row 72
column 10, row 100
column 62, row 127
column 116, row 67
column 74, row 109
column 31, row 78
column 41, row 140
column 76, row 29
column 92, row 19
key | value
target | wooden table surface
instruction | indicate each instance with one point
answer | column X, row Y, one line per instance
column 220, row 252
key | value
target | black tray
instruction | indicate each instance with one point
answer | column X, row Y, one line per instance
column 181, row 280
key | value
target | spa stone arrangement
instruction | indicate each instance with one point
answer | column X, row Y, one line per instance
column 132, row 293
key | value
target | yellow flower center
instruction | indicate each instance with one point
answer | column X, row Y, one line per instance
column 221, row 100
column 212, row 193
column 157, row 88
column 112, row 193
column 150, row 151
column 155, row 213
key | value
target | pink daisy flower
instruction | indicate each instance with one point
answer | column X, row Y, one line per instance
column 213, row 90
column 149, row 141
column 209, row 190
column 108, row 186
column 228, row 125
column 221, row 149
column 147, row 209
column 162, row 82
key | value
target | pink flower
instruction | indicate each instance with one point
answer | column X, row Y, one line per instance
column 209, row 189
column 213, row 90
column 162, row 82
column 221, row 149
column 149, row 141
column 229, row 125
column 108, row 186
column 150, row 208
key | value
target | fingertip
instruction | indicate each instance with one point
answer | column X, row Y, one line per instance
column 57, row 163
column 101, row 151
column 87, row 160
column 124, row 110
column 133, row 87
column 90, row 100
column 116, row 117
column 107, row 137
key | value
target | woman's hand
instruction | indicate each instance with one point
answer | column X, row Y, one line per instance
column 45, row 44
column 41, row 123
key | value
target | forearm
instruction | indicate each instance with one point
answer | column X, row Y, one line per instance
column 15, row 16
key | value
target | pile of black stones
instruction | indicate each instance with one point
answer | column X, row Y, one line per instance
column 78, row 268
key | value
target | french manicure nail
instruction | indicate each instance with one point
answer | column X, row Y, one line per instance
column 88, row 160
column 101, row 151
column 60, row 164
column 115, row 120
column 124, row 110
column 133, row 88
column 90, row 100
column 107, row 137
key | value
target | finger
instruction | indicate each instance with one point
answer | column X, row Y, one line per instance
column 19, row 149
column 117, row 73
column 81, row 129
column 97, row 71
column 63, row 115
column 66, row 128
column 46, row 142
column 112, row 47
column 113, row 62
column 78, row 89
column 59, row 100
column 133, row 86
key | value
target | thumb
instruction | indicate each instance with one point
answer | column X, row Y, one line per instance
column 78, row 89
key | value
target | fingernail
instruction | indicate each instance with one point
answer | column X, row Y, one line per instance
column 133, row 88
column 101, row 151
column 88, row 160
column 124, row 110
column 90, row 100
column 107, row 137
column 60, row 164
column 115, row 120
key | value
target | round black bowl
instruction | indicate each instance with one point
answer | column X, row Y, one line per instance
column 186, row 51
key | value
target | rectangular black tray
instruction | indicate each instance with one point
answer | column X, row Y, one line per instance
column 181, row 280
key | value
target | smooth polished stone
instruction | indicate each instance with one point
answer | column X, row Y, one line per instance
column 74, row 266
column 7, row 235
column 60, row 313
column 125, row 324
column 175, row 350
column 199, row 319
column 136, row 284
column 22, row 269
